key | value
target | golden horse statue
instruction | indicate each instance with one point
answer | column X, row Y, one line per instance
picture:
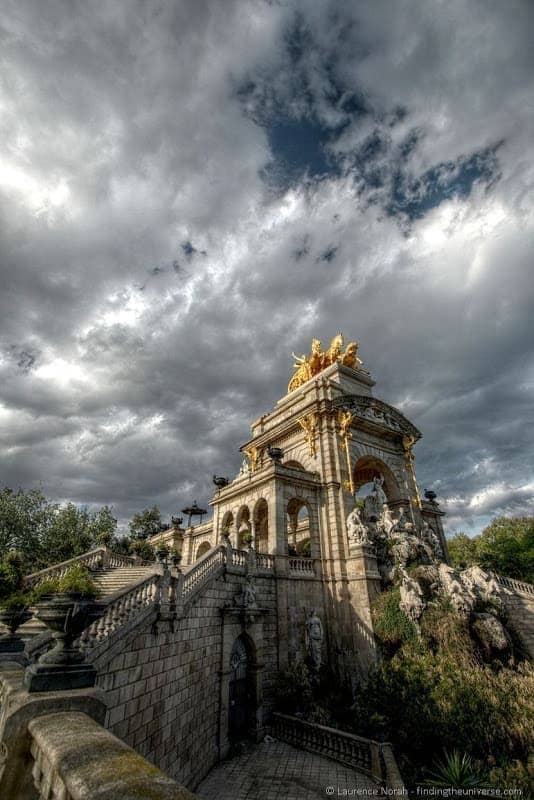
column 307, row 367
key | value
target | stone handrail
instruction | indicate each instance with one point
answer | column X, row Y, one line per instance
column 364, row 755
column 202, row 571
column 301, row 566
column 121, row 609
column 239, row 558
column 75, row 758
column 99, row 557
column 265, row 561
column 91, row 559
column 516, row 586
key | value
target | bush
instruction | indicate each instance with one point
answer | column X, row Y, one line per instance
column 437, row 692
column 11, row 574
column 76, row 580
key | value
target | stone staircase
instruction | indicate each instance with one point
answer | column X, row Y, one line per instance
column 116, row 580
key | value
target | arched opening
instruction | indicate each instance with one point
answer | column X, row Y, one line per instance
column 242, row 689
column 227, row 524
column 298, row 528
column 366, row 470
column 202, row 549
column 244, row 529
column 261, row 526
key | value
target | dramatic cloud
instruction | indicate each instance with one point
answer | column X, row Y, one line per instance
column 189, row 192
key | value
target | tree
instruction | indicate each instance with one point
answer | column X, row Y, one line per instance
column 462, row 550
column 506, row 546
column 45, row 532
column 146, row 523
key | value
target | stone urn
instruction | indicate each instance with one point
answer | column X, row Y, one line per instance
column 13, row 618
column 64, row 666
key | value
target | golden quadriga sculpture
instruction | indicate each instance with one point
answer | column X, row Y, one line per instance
column 307, row 367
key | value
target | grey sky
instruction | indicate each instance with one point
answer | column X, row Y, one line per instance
column 190, row 191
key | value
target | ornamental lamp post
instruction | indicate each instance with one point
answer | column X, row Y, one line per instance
column 194, row 511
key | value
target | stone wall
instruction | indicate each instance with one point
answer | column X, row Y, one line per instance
column 163, row 686
column 519, row 606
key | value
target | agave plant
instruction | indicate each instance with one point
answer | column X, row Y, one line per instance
column 458, row 771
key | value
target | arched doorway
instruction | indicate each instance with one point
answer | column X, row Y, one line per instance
column 202, row 549
column 241, row 690
column 367, row 469
column 261, row 515
column 298, row 528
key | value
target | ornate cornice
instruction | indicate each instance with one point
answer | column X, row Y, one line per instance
column 369, row 409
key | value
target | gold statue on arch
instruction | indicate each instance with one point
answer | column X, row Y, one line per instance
column 306, row 367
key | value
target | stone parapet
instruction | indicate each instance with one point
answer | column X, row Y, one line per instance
column 79, row 760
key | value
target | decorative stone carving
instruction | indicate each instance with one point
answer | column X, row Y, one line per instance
column 247, row 597
column 357, row 532
column 386, row 521
column 377, row 412
column 411, row 598
column 430, row 537
column 244, row 472
column 314, row 639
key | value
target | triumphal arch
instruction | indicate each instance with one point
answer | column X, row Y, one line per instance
column 291, row 503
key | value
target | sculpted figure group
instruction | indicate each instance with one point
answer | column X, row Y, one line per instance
column 410, row 556
column 307, row 367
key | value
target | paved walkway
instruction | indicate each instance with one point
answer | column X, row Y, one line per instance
column 274, row 770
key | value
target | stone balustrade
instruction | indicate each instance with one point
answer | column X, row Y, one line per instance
column 238, row 558
column 75, row 758
column 515, row 585
column 364, row 755
column 265, row 561
column 120, row 610
column 301, row 566
column 201, row 572
column 92, row 559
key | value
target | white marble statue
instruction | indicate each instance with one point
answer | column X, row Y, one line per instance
column 430, row 537
column 386, row 521
column 245, row 469
column 314, row 639
column 356, row 530
column 411, row 598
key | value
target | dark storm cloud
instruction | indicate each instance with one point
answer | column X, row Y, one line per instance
column 189, row 193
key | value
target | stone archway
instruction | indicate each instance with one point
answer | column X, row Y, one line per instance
column 240, row 691
column 261, row 522
column 299, row 527
column 367, row 468
column 203, row 549
column 241, row 713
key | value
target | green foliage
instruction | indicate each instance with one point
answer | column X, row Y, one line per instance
column 46, row 533
column 462, row 550
column 142, row 549
column 146, row 523
column 318, row 697
column 392, row 627
column 11, row 574
column 293, row 690
column 16, row 601
column 77, row 580
column 458, row 771
column 506, row 546
column 436, row 692
column 514, row 775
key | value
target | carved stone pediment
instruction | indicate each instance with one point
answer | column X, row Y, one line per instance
column 376, row 412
